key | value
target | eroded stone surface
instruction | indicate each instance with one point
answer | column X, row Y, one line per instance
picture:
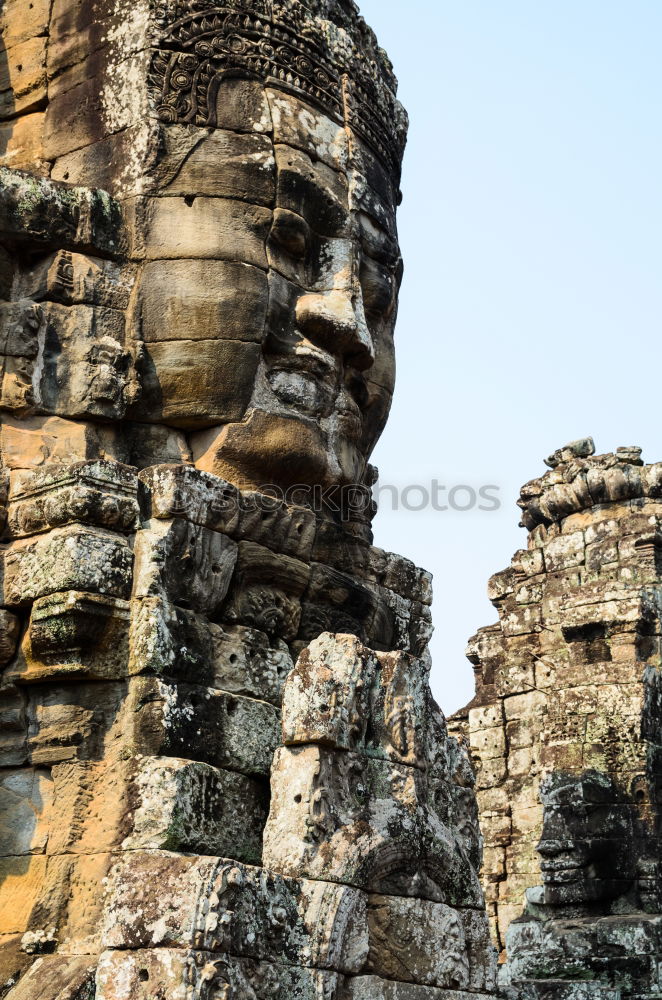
column 564, row 731
column 199, row 272
column 205, row 976
column 159, row 900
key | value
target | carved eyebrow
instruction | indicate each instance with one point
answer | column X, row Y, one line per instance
column 376, row 239
column 380, row 247
column 321, row 196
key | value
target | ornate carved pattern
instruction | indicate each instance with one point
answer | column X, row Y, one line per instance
column 198, row 49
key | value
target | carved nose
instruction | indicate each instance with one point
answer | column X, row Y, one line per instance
column 330, row 321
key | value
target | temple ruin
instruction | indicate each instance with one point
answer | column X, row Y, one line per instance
column 565, row 731
column 222, row 773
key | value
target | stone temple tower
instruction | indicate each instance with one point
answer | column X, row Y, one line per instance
column 222, row 774
column 566, row 732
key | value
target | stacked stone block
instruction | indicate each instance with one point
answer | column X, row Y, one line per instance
column 198, row 291
column 565, row 731
column 141, row 706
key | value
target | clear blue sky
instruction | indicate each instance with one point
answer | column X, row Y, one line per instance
column 532, row 305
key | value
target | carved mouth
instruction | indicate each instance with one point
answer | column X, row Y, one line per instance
column 350, row 425
column 307, row 380
column 301, row 391
column 558, row 871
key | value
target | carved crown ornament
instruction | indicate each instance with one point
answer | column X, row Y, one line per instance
column 337, row 67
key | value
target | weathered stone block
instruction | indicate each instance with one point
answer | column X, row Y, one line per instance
column 168, row 641
column 85, row 369
column 266, row 591
column 486, row 717
column 72, row 722
column 278, row 526
column 345, row 696
column 159, row 900
column 116, row 163
column 312, row 191
column 196, row 383
column 18, row 22
column 481, row 951
column 9, row 632
column 183, row 491
column 305, row 128
column 13, row 726
column 19, row 327
column 183, row 563
column 202, row 299
column 103, row 494
column 335, row 602
column 338, row 548
column 522, row 620
column 38, row 441
column 328, row 696
column 268, row 435
column 69, row 558
column 13, row 961
column 372, row 988
column 413, row 940
column 203, row 724
column 36, row 211
column 564, row 552
column 74, row 634
column 22, row 145
column 403, row 577
column 192, row 807
column 86, row 36
column 344, row 818
column 205, row 976
column 25, row 800
column 23, row 77
column 21, row 880
column 246, row 662
column 85, row 107
column 219, row 164
column 489, row 743
column 153, row 444
column 208, row 228
column 242, row 106
column 57, row 977
column 75, row 279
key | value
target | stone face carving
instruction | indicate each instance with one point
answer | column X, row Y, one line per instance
column 241, row 284
column 222, row 773
column 565, row 732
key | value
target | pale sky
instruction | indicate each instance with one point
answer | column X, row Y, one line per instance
column 532, row 304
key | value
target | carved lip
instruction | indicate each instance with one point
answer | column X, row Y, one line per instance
column 306, row 359
column 350, row 424
column 312, row 386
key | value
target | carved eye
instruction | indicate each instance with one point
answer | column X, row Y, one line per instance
column 290, row 233
column 378, row 286
column 358, row 389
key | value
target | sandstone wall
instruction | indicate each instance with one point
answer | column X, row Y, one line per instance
column 222, row 773
column 565, row 726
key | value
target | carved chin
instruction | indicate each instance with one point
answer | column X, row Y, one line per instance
column 349, row 459
column 266, row 449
